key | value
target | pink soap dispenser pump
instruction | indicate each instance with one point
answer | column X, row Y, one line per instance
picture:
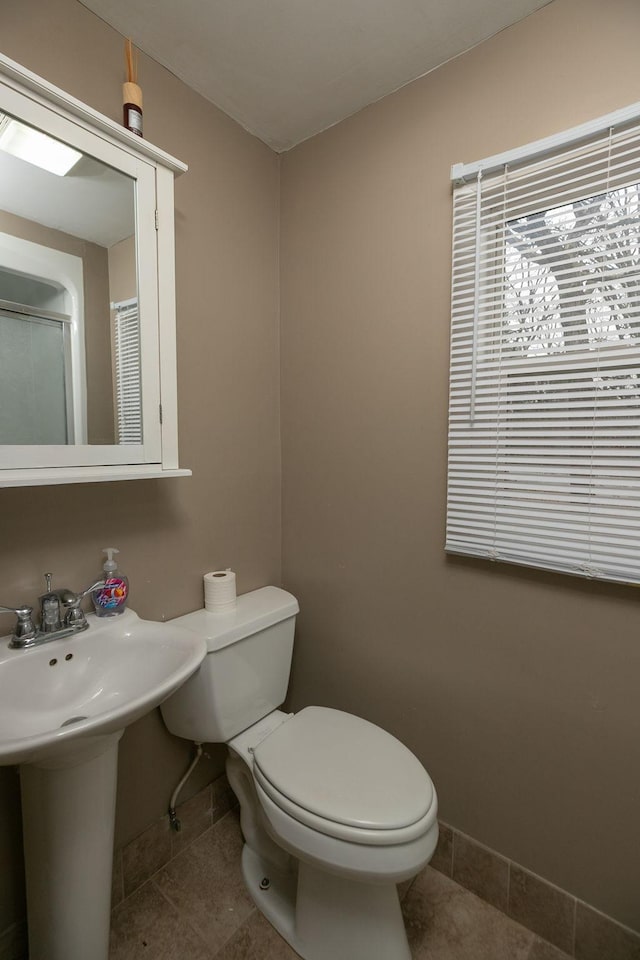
column 111, row 599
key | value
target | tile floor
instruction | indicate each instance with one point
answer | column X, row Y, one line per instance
column 196, row 908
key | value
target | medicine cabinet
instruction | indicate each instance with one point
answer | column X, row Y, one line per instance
column 87, row 293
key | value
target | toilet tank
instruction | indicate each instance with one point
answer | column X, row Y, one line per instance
column 244, row 675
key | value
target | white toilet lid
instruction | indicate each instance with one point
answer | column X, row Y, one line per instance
column 346, row 770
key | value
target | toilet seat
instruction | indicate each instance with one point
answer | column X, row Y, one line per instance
column 346, row 778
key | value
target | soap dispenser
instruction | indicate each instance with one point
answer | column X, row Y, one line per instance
column 111, row 599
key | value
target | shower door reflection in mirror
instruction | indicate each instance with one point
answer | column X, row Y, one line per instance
column 34, row 400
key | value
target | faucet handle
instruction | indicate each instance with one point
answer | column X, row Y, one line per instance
column 21, row 611
column 70, row 603
column 25, row 627
column 94, row 586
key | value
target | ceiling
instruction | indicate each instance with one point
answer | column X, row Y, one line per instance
column 287, row 69
column 92, row 202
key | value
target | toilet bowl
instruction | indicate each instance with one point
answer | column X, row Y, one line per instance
column 334, row 810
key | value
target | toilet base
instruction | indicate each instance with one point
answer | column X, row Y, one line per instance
column 327, row 917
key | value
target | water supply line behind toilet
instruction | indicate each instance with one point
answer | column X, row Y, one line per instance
column 173, row 818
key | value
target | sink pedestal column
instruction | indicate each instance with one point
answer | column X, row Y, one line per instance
column 68, row 811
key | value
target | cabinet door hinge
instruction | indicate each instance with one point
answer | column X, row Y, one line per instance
column 160, row 411
column 157, row 220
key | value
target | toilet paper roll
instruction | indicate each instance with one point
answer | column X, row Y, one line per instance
column 219, row 590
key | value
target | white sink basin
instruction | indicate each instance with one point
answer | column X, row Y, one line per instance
column 57, row 697
column 63, row 708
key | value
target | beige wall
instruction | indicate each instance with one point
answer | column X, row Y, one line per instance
column 228, row 514
column 518, row 690
column 123, row 284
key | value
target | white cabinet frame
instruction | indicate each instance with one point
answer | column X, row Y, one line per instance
column 32, row 99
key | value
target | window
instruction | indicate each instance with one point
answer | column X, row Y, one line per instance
column 544, row 418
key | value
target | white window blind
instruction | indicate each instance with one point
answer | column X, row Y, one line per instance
column 127, row 372
column 544, row 415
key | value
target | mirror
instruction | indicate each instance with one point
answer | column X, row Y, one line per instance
column 69, row 332
column 88, row 385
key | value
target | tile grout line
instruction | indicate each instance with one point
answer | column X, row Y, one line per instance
column 176, row 853
column 235, row 932
column 575, row 902
column 183, row 917
column 117, row 856
column 152, row 876
column 209, row 788
column 554, row 886
column 174, row 833
column 453, row 851
column 451, row 854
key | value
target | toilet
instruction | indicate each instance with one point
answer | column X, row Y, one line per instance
column 335, row 811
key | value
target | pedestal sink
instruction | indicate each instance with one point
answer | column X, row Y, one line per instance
column 63, row 708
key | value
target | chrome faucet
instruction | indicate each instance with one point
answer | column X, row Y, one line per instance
column 60, row 616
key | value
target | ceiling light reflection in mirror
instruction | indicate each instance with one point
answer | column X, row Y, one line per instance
column 36, row 147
